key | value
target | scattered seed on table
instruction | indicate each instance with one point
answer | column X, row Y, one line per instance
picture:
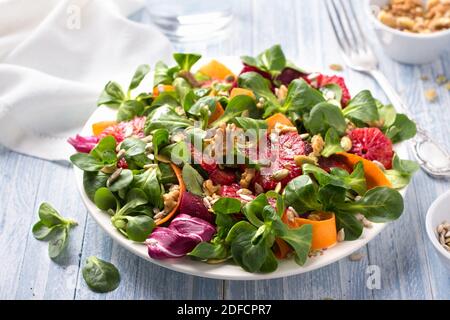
column 424, row 78
column 356, row 256
column 336, row 67
column 441, row 79
column 431, row 95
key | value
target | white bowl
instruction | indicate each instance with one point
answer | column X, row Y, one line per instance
column 437, row 213
column 226, row 271
column 407, row 47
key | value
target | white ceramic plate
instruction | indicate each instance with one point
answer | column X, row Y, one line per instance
column 225, row 271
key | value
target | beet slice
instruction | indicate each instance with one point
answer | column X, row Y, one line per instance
column 192, row 205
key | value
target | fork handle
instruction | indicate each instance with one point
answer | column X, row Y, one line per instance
column 390, row 92
column 432, row 158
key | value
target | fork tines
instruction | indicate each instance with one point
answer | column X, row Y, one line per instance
column 346, row 26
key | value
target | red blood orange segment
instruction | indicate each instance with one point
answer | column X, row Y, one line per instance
column 281, row 154
column 125, row 129
column 323, row 80
column 372, row 144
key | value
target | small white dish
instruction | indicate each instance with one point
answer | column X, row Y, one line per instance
column 407, row 47
column 438, row 213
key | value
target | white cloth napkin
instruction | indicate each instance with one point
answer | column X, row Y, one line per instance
column 55, row 58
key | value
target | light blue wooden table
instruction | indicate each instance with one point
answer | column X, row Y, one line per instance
column 409, row 268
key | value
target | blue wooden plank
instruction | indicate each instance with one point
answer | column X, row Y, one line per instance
column 409, row 267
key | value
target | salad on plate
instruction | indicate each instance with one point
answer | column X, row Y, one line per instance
column 252, row 168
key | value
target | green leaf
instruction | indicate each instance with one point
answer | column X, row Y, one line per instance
column 186, row 60
column 100, row 276
column 139, row 227
column 185, row 93
column 148, row 183
column 323, row 117
column 333, row 93
column 249, row 254
column 353, row 228
column 301, row 194
column 112, row 95
column 58, row 241
column 105, row 150
column 164, row 74
column 133, row 146
column 160, row 140
column 227, row 206
column 357, row 179
column 86, row 162
column 203, row 108
column 93, row 181
column 123, row 181
column 402, row 129
column 138, row 76
column 129, row 109
column 332, row 143
column 250, row 124
column 299, row 239
column 330, row 195
column 192, row 179
column 301, row 97
column 165, row 117
column 49, row 216
column 253, row 209
column 380, row 204
column 401, row 173
column 178, row 153
column 235, row 107
column 104, row 199
column 272, row 59
column 261, row 89
column 167, row 174
column 41, row 231
column 387, row 114
column 362, row 109
column 207, row 251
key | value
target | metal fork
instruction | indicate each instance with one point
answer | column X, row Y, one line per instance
column 359, row 56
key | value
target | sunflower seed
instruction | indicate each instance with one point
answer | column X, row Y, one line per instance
column 442, row 239
column 346, row 143
column 258, row 188
column 159, row 216
column 290, row 215
column 379, row 164
column 244, row 191
column 206, row 203
column 447, row 235
column 355, row 256
column 121, row 154
column 440, row 228
column 304, row 136
column 245, row 197
column 280, row 174
column 341, row 235
column 278, row 187
column 147, row 139
column 367, row 224
column 114, row 177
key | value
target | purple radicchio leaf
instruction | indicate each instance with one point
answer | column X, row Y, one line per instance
column 83, row 144
column 194, row 227
column 180, row 238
